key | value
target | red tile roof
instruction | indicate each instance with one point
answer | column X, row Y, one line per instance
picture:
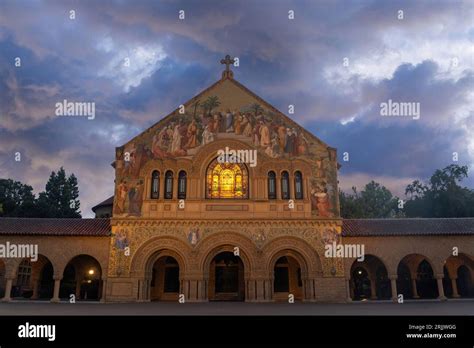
column 350, row 227
column 407, row 227
column 55, row 227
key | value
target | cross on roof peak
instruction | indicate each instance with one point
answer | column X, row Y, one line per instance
column 227, row 73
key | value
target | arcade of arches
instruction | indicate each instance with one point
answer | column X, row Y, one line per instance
column 23, row 279
column 226, row 276
column 414, row 279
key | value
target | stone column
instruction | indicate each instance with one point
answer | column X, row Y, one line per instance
column 268, row 290
column 35, row 289
column 175, row 185
column 351, row 288
column 291, row 185
column 309, row 295
column 194, row 288
column 278, row 185
column 439, row 279
column 373, row 289
column 393, row 283
column 415, row 290
column 78, row 289
column 8, row 290
column 348, row 290
column 454, row 285
column 57, row 285
column 103, row 291
column 251, row 294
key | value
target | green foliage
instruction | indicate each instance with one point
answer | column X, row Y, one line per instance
column 442, row 196
column 374, row 201
column 59, row 200
column 256, row 109
column 16, row 199
column 209, row 104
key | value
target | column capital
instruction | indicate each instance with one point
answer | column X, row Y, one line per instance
column 57, row 277
column 393, row 277
column 439, row 276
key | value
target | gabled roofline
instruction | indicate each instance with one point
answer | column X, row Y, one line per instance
column 245, row 89
column 173, row 112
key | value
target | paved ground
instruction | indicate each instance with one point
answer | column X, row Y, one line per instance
column 453, row 307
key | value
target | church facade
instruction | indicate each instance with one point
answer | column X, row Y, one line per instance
column 227, row 198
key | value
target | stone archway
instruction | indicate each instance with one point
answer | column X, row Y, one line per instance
column 165, row 284
column 299, row 256
column 151, row 257
column 82, row 278
column 32, row 279
column 231, row 242
column 369, row 279
column 287, row 279
column 226, row 262
column 226, row 278
column 458, row 278
column 163, row 280
column 416, row 278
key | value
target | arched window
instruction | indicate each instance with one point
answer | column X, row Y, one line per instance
column 169, row 185
column 182, row 185
column 272, row 185
column 227, row 180
column 285, row 186
column 155, row 185
column 298, row 185
column 24, row 273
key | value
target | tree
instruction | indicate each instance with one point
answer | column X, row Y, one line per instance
column 16, row 199
column 210, row 103
column 350, row 207
column 196, row 104
column 442, row 196
column 374, row 201
column 60, row 198
column 256, row 109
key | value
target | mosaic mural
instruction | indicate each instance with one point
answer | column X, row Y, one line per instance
column 182, row 135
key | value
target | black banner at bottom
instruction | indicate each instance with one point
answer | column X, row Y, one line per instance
column 226, row 330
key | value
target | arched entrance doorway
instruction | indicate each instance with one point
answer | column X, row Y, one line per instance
column 82, row 277
column 369, row 280
column 287, row 279
column 165, row 284
column 226, row 278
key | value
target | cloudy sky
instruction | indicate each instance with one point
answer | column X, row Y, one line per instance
column 336, row 61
